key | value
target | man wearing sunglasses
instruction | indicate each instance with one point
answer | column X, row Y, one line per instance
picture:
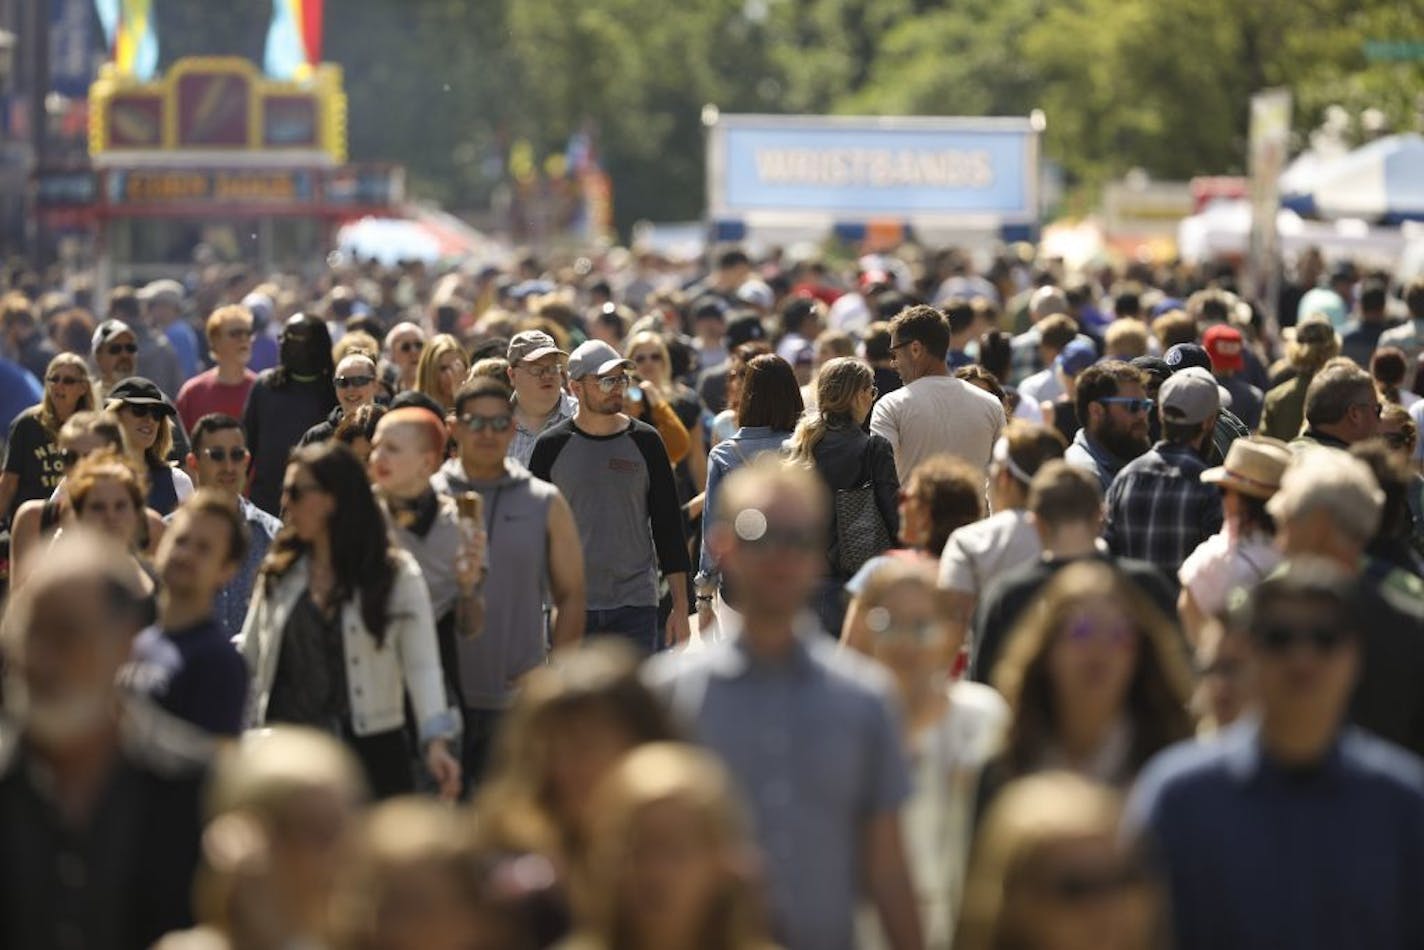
column 536, row 371
column 1341, row 407
column 1158, row 509
column 404, row 345
column 618, row 480
column 1293, row 829
column 533, row 556
column 1329, row 506
column 219, row 461
column 811, row 735
column 1113, row 410
column 115, row 351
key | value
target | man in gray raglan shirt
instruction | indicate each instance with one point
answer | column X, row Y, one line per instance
column 614, row 472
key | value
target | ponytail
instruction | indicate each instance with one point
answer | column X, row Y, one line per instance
column 838, row 384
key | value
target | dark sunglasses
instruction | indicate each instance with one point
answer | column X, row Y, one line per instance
column 1282, row 639
column 648, row 358
column 114, row 349
column 146, row 410
column 353, row 382
column 481, row 423
column 409, row 346
column 1081, row 885
column 803, row 540
column 219, row 454
column 1129, row 403
column 901, row 345
column 65, row 380
column 297, row 492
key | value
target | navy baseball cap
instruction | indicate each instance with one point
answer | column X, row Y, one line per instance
column 1185, row 355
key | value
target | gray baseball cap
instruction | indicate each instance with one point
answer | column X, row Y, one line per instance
column 1189, row 397
column 531, row 345
column 595, row 358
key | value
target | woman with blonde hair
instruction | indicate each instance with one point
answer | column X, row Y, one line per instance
column 1314, row 345
column 669, row 862
column 1095, row 677
column 106, row 493
column 831, row 442
column 441, row 369
column 31, row 469
column 147, row 417
column 280, row 809
column 1050, row 871
column 572, row 721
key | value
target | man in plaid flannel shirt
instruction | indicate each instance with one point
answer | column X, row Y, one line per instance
column 1158, row 508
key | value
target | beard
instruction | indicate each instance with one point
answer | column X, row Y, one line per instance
column 1124, row 443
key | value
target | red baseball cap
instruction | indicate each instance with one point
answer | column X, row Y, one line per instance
column 1225, row 347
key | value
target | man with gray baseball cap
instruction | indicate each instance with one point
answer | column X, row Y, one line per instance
column 614, row 472
column 536, row 371
column 1158, row 509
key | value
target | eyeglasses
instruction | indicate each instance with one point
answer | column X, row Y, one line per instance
column 1132, row 405
column 1094, row 629
column 648, row 358
column 609, row 383
column 65, row 380
column 220, row 455
column 114, row 349
column 901, row 345
column 1378, row 407
column 543, row 372
column 480, row 423
column 410, row 346
column 297, row 492
column 238, row 333
column 145, row 410
column 1282, row 638
column 353, row 382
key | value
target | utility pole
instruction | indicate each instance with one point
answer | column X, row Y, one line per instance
column 37, row 30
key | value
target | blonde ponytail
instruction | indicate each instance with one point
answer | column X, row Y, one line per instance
column 838, row 384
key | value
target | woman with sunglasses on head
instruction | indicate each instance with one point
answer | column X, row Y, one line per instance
column 1052, row 871
column 832, row 442
column 767, row 414
column 147, row 417
column 223, row 388
column 952, row 727
column 441, row 369
column 340, row 632
column 31, row 469
column 1095, row 678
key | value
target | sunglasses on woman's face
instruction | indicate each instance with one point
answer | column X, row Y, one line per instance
column 145, row 410
column 114, row 349
column 64, row 380
column 410, row 346
column 353, row 382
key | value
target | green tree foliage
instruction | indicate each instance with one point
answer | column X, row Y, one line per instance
column 445, row 86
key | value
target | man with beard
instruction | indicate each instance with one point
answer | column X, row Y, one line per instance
column 1113, row 408
column 615, row 473
column 115, row 351
column 285, row 402
column 99, row 797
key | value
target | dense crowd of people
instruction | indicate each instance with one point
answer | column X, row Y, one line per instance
column 616, row 603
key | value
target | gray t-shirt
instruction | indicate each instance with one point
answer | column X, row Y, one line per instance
column 937, row 414
column 624, row 502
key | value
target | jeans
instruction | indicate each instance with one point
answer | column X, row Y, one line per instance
column 638, row 625
column 481, row 727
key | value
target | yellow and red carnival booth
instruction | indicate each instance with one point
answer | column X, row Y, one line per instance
column 214, row 154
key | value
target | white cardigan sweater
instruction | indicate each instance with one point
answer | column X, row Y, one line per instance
column 377, row 678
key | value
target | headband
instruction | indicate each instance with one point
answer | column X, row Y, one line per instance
column 1002, row 457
